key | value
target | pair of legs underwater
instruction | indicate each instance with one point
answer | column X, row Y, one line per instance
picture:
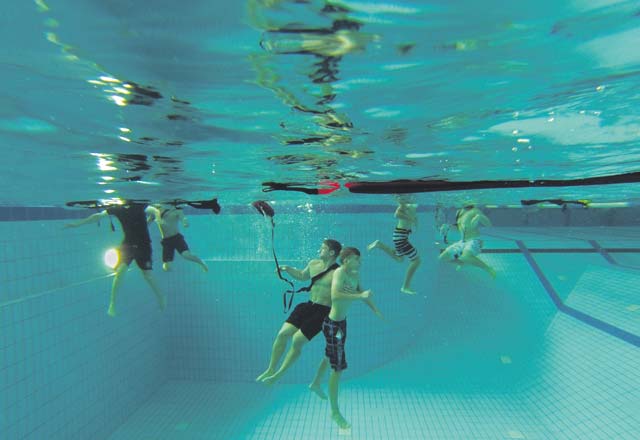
column 298, row 341
column 117, row 281
column 411, row 270
column 467, row 257
column 166, row 265
column 333, row 387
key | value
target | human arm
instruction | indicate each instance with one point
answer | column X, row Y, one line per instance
column 94, row 218
column 183, row 218
column 340, row 289
column 480, row 220
column 369, row 302
column 152, row 213
column 300, row 275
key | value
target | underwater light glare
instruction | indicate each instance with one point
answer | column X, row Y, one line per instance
column 119, row 100
column 111, row 258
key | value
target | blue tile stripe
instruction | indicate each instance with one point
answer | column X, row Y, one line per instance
column 603, row 252
column 581, row 316
column 543, row 279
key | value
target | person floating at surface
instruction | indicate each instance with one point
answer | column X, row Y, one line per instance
column 345, row 288
column 407, row 219
column 466, row 251
column 136, row 245
column 305, row 322
column 168, row 218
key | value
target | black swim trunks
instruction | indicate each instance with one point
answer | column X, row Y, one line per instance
column 139, row 252
column 308, row 318
column 172, row 244
column 335, row 333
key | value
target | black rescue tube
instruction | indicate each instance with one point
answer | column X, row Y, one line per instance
column 436, row 185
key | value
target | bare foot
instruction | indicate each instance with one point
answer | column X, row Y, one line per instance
column 204, row 267
column 270, row 380
column 341, row 421
column 112, row 310
column 264, row 375
column 373, row 245
column 166, row 267
column 408, row 291
column 318, row 390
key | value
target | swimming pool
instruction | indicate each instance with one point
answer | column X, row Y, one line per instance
column 302, row 102
column 547, row 350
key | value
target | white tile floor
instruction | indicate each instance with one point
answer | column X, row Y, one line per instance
column 581, row 383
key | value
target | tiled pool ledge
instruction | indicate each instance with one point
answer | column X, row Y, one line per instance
column 500, row 215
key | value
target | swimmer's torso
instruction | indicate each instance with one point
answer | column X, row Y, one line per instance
column 467, row 230
column 339, row 307
column 321, row 290
column 169, row 221
column 406, row 215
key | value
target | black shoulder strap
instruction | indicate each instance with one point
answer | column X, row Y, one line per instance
column 317, row 276
column 292, row 290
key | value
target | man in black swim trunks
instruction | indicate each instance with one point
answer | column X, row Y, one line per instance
column 136, row 245
column 169, row 218
column 306, row 319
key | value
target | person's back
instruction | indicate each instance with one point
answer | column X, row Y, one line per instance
column 467, row 231
column 133, row 219
column 466, row 251
column 469, row 222
column 136, row 245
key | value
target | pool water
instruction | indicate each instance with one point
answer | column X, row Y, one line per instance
column 546, row 350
